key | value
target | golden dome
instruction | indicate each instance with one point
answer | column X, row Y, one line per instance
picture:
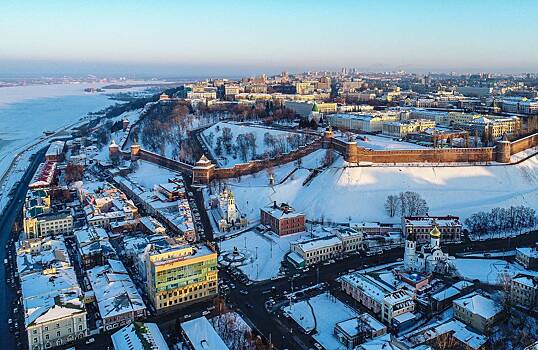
column 435, row 233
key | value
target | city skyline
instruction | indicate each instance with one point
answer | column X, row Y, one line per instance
column 237, row 38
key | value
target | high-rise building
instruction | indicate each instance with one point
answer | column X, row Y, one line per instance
column 180, row 275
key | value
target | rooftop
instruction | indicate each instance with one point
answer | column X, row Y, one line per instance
column 202, row 335
column 479, row 305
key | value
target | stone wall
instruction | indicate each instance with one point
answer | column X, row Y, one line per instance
column 524, row 143
column 258, row 165
column 166, row 162
column 354, row 154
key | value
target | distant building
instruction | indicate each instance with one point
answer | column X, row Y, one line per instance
column 402, row 128
column 55, row 152
column 303, row 109
column 282, row 219
column 449, row 226
column 527, row 257
column 474, row 91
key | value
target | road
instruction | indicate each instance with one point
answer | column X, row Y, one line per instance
column 252, row 305
column 10, row 214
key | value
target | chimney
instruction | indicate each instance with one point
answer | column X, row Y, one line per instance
column 274, row 205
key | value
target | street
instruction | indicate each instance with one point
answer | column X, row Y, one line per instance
column 7, row 292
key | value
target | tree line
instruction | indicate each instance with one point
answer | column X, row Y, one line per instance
column 512, row 219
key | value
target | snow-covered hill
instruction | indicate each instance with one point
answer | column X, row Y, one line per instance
column 359, row 193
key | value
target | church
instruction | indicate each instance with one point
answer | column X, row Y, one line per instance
column 430, row 258
column 227, row 209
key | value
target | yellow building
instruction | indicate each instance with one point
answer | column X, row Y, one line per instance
column 402, row 128
column 326, row 107
column 180, row 275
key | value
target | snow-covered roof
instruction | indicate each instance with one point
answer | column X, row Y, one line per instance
column 351, row 326
column 525, row 280
column 427, row 221
column 407, row 316
column 114, row 291
column 380, row 343
column 319, row 243
column 41, row 291
column 397, row 297
column 446, row 294
column 456, row 328
column 130, row 337
column 202, row 335
column 479, row 305
column 282, row 211
column 55, row 148
column 369, row 287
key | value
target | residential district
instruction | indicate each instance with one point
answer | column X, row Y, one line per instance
column 286, row 212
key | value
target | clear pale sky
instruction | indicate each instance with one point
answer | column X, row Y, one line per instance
column 232, row 37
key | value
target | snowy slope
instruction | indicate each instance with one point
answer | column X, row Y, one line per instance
column 360, row 193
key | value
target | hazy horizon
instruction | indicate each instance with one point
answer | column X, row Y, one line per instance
column 237, row 38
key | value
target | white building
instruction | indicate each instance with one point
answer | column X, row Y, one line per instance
column 319, row 249
column 430, row 258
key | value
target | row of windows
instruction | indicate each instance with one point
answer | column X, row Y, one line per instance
column 58, row 334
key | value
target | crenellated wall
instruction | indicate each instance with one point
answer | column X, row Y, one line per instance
column 352, row 153
column 257, row 165
column 501, row 152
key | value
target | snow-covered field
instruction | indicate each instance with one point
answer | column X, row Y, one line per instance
column 264, row 252
column 231, row 157
column 359, row 193
column 379, row 143
column 488, row 270
column 148, row 175
column 328, row 311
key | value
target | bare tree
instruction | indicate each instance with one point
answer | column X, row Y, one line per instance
column 392, row 205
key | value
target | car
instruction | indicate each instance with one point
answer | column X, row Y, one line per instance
column 187, row 316
column 244, row 292
column 250, row 306
column 317, row 346
column 90, row 341
column 205, row 313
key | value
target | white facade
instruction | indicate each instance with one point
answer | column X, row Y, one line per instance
column 430, row 258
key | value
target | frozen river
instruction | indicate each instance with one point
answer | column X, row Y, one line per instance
column 27, row 111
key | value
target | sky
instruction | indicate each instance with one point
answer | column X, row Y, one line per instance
column 234, row 37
